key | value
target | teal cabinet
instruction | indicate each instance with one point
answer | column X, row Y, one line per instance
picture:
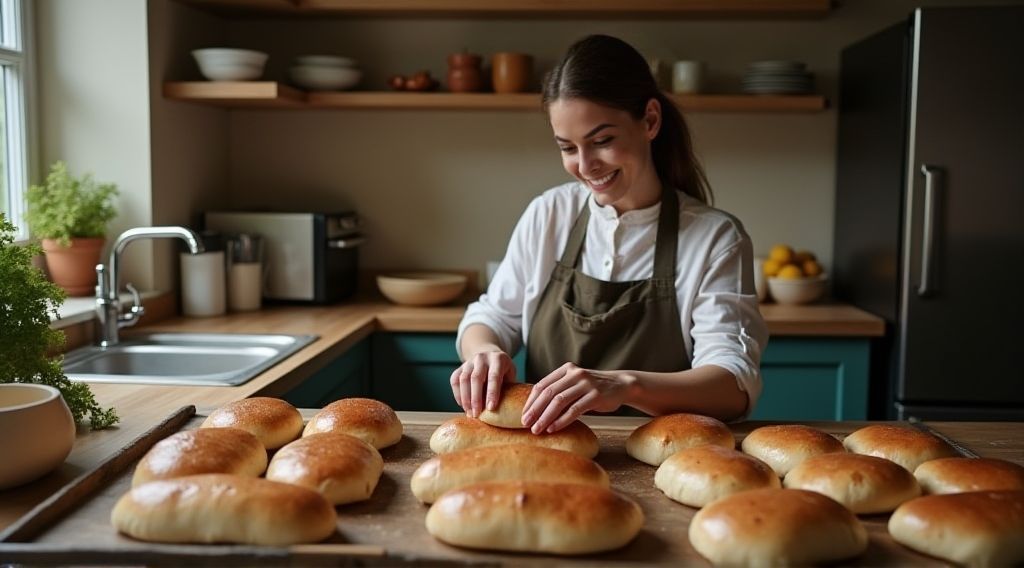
column 814, row 379
column 347, row 376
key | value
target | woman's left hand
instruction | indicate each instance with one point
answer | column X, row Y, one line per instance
column 564, row 395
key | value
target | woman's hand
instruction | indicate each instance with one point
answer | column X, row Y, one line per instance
column 565, row 394
column 480, row 378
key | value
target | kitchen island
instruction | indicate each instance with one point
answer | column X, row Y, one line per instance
column 338, row 328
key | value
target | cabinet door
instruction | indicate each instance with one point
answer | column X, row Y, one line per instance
column 345, row 377
column 814, row 379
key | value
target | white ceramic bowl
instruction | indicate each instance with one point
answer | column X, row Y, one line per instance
column 797, row 290
column 227, row 64
column 325, row 61
column 421, row 288
column 325, row 78
column 36, row 432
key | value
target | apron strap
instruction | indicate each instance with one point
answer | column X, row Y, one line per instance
column 573, row 248
column 668, row 236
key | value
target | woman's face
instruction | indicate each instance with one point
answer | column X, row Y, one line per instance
column 609, row 151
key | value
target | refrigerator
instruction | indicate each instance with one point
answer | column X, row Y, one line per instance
column 929, row 210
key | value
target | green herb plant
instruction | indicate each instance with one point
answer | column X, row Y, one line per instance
column 64, row 207
column 27, row 299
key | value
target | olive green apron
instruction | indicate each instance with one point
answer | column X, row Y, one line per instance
column 610, row 325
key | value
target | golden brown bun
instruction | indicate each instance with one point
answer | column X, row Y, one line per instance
column 370, row 420
column 663, row 436
column 217, row 507
column 784, row 446
column 535, row 516
column 698, row 476
column 905, row 446
column 463, row 433
column 864, row 484
column 509, row 413
column 496, row 463
column 984, row 528
column 776, row 527
column 272, row 420
column 343, row 468
column 960, row 475
column 206, row 450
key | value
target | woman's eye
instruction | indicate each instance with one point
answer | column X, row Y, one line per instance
column 603, row 141
column 567, row 149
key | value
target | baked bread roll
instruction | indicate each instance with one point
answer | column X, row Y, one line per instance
column 535, row 516
column 343, row 468
column 960, row 475
column 462, row 433
column 217, row 507
column 776, row 527
column 509, row 413
column 206, row 450
column 905, row 446
column 663, row 436
column 984, row 528
column 272, row 420
column 698, row 476
column 786, row 445
column 864, row 484
column 370, row 420
column 496, row 463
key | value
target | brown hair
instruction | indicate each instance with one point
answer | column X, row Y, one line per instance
column 610, row 72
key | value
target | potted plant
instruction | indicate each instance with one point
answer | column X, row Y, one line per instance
column 27, row 299
column 70, row 216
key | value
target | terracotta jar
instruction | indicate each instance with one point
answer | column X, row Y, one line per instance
column 511, row 72
column 464, row 74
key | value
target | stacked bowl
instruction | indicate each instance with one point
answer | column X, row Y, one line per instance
column 777, row 78
column 229, row 64
column 325, row 72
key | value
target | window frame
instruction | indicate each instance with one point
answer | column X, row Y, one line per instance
column 19, row 98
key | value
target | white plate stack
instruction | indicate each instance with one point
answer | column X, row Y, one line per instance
column 325, row 72
column 777, row 78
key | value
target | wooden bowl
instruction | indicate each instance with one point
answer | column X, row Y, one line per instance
column 421, row 288
column 38, row 432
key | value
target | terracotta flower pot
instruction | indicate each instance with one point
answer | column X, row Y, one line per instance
column 73, row 267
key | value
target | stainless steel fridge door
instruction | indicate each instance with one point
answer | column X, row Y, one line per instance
column 962, row 293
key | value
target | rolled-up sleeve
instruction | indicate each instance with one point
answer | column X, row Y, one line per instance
column 728, row 330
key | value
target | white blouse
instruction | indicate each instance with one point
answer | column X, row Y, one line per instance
column 714, row 276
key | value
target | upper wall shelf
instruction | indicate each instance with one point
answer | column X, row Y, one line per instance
column 525, row 8
column 269, row 94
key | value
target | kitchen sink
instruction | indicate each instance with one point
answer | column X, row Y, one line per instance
column 206, row 359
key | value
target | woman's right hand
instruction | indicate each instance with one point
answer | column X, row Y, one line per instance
column 479, row 380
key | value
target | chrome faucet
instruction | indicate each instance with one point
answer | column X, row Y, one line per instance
column 109, row 318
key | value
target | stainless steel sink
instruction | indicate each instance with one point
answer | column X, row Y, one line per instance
column 183, row 358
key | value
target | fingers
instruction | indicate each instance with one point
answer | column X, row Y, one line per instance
column 500, row 366
column 464, row 388
column 539, row 388
column 477, row 383
column 456, row 384
column 586, row 402
column 559, row 401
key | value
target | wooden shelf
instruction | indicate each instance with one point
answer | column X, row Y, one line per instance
column 525, row 8
column 269, row 94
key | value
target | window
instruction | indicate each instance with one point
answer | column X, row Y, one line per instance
column 14, row 83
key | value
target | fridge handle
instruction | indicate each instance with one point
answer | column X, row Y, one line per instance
column 931, row 175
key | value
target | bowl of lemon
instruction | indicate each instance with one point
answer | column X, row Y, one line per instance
column 794, row 277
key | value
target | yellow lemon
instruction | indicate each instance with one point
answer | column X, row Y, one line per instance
column 781, row 253
column 791, row 272
column 802, row 256
column 811, row 268
column 771, row 268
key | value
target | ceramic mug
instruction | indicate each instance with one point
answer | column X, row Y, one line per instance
column 687, row 76
column 510, row 72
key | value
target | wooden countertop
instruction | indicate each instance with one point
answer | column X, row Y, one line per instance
column 339, row 327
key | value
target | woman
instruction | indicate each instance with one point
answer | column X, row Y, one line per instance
column 625, row 285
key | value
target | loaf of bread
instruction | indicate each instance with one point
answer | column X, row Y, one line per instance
column 370, row 420
column 535, row 516
column 509, row 413
column 663, row 436
column 960, row 475
column 776, row 527
column 864, row 484
column 462, row 433
column 786, row 445
column 343, row 468
column 206, row 450
column 496, row 463
column 224, row 508
column 983, row 528
column 273, row 421
column 700, row 475
column 905, row 446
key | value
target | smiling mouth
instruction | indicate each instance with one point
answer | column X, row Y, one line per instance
column 602, row 182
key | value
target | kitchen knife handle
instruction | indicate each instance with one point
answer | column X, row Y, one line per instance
column 931, row 175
